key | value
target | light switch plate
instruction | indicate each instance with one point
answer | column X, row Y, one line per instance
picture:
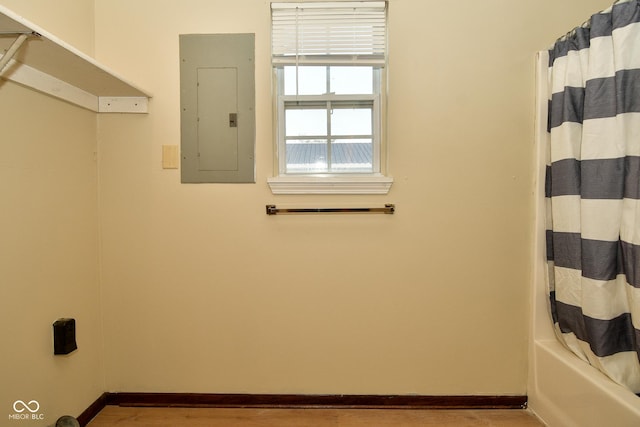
column 170, row 157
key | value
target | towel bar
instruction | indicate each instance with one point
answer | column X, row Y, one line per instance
column 273, row 210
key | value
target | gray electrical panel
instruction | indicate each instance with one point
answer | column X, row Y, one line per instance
column 217, row 97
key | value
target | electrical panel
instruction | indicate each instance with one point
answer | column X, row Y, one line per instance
column 217, row 97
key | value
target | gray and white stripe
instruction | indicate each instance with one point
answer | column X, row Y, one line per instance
column 593, row 191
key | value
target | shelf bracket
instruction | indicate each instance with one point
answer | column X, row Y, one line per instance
column 13, row 49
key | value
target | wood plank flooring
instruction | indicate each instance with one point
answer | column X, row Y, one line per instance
column 259, row 417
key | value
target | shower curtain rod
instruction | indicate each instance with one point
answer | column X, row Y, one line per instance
column 272, row 210
column 587, row 23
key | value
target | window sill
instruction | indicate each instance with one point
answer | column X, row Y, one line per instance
column 318, row 184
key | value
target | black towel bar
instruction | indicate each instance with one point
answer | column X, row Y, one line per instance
column 273, row 210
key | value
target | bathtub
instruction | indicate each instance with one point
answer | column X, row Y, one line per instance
column 563, row 390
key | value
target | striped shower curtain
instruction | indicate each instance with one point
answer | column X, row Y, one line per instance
column 593, row 191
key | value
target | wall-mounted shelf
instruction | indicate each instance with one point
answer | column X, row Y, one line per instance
column 47, row 64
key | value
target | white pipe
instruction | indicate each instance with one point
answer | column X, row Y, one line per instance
column 12, row 51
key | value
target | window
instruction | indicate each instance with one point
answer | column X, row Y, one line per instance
column 327, row 116
column 328, row 61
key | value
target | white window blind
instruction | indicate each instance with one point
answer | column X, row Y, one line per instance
column 330, row 33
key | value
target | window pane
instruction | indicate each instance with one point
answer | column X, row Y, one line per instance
column 351, row 121
column 307, row 156
column 352, row 155
column 305, row 122
column 351, row 80
column 311, row 80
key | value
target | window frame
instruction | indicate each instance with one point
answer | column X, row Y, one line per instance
column 372, row 99
column 335, row 182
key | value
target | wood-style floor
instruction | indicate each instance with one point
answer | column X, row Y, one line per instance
column 233, row 417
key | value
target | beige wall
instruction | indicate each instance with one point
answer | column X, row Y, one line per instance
column 48, row 236
column 205, row 293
